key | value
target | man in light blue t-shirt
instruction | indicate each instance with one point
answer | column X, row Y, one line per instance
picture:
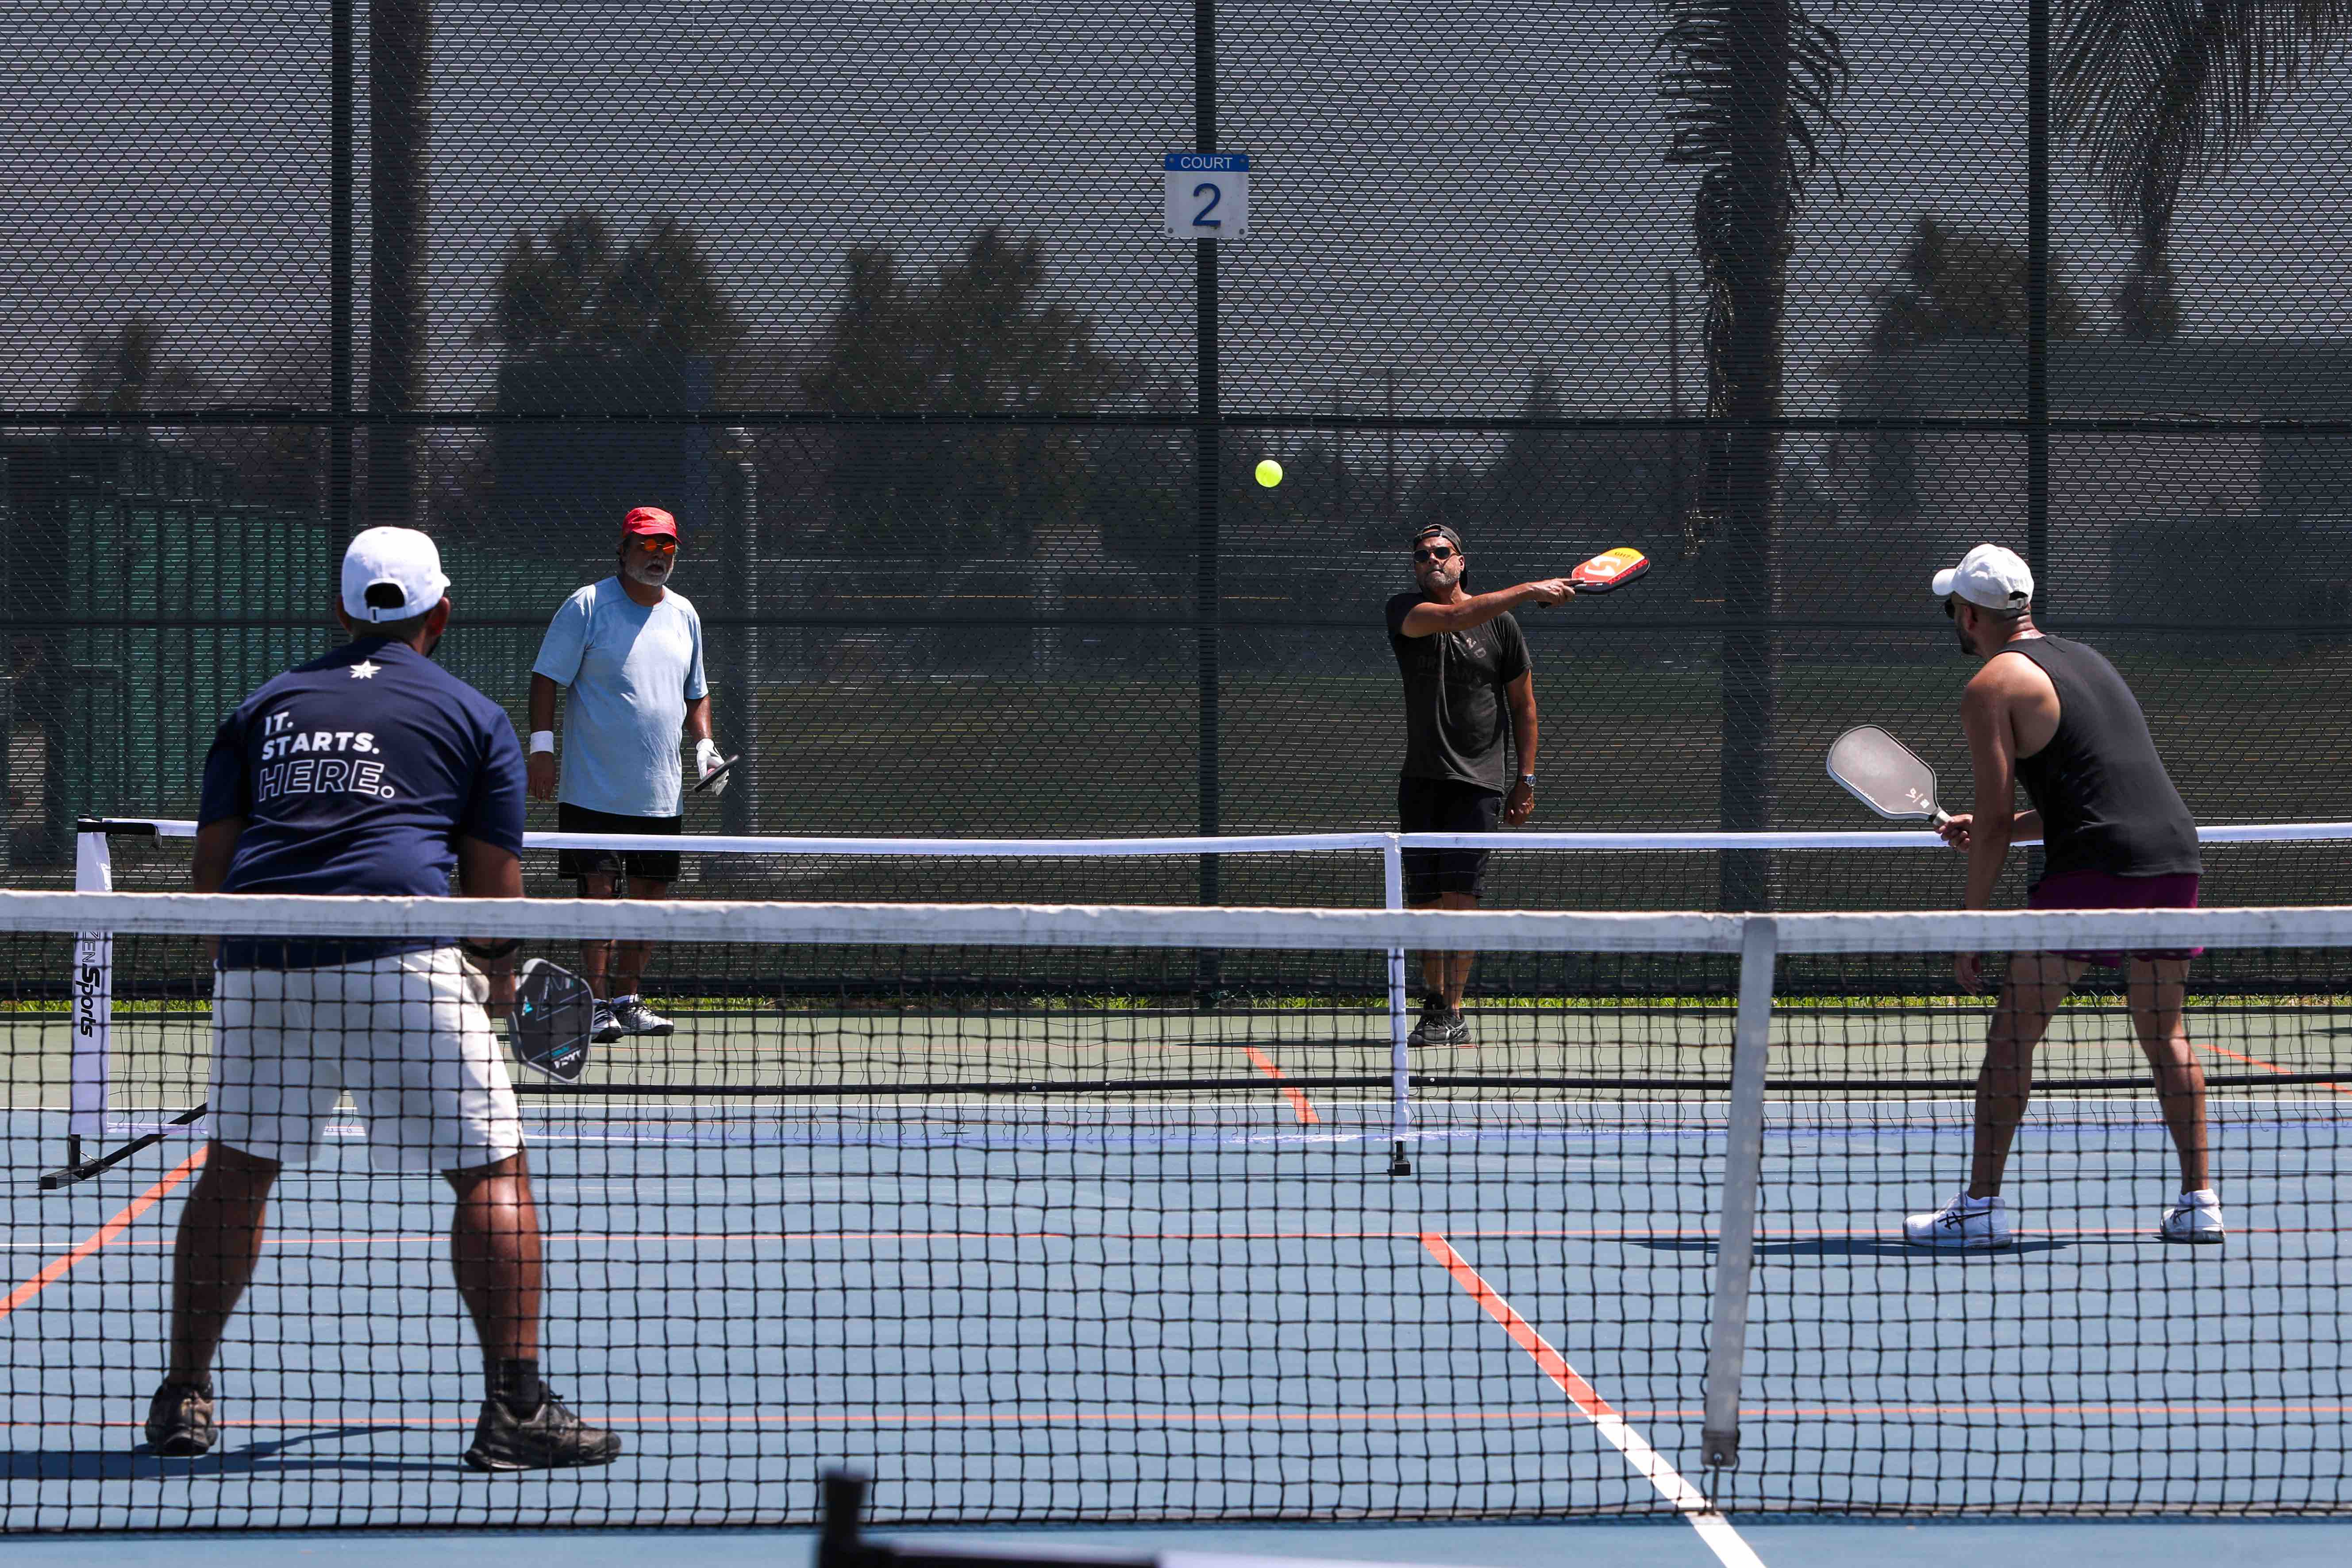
column 629, row 650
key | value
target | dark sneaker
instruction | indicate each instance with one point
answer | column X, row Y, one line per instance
column 1430, row 1030
column 551, row 1439
column 1457, row 1030
column 604, row 1028
column 636, row 1018
column 180, row 1420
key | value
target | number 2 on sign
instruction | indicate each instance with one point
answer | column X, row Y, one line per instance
column 1215, row 193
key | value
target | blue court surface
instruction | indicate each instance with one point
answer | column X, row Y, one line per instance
column 1234, row 1314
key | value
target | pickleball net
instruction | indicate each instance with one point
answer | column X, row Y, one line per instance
column 1008, row 1207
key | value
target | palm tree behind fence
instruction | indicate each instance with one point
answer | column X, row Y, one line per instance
column 1752, row 93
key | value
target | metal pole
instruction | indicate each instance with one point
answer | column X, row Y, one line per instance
column 339, row 263
column 2037, row 300
column 1399, row 1054
column 1673, row 345
column 1396, row 505
column 1675, row 442
column 1207, row 595
column 1743, row 1164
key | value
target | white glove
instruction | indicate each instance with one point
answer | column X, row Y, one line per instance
column 706, row 762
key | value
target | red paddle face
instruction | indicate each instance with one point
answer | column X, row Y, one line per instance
column 1610, row 569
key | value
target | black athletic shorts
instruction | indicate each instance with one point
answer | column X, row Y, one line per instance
column 652, row 864
column 1445, row 805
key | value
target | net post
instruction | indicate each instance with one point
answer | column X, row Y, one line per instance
column 844, row 1503
column 1400, row 1059
column 1726, row 1340
column 93, row 986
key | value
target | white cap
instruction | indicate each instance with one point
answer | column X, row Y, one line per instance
column 1991, row 578
column 400, row 557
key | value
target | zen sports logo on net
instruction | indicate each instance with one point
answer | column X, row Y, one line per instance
column 338, row 762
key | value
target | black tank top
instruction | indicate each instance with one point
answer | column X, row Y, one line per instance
column 2106, row 803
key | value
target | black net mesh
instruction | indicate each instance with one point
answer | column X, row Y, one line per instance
column 1029, row 1234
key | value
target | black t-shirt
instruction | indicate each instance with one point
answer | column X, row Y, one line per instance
column 1455, row 720
column 2106, row 803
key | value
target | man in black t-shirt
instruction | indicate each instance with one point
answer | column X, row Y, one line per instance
column 1464, row 662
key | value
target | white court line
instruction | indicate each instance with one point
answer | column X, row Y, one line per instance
column 1714, row 1529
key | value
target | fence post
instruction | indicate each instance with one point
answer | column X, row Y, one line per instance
column 1400, row 1058
column 1207, row 592
column 1726, row 1337
column 2037, row 301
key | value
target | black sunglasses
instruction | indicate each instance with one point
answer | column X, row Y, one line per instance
column 1435, row 553
column 1949, row 613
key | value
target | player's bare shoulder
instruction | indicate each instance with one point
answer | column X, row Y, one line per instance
column 2010, row 676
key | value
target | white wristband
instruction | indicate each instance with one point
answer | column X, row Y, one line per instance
column 541, row 741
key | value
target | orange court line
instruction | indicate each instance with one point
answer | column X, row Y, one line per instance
column 1523, row 1334
column 55, row 1267
column 2266, row 1067
column 1298, row 1105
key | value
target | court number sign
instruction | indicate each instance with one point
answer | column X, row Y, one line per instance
column 1208, row 195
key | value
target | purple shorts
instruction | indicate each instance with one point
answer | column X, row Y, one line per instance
column 2105, row 890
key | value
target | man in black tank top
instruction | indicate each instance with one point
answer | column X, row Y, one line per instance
column 2055, row 717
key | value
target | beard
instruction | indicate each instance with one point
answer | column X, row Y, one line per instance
column 649, row 574
column 1961, row 638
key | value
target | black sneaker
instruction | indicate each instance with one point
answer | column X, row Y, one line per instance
column 1430, row 1030
column 603, row 1028
column 636, row 1018
column 550, row 1439
column 180, row 1420
column 1458, row 1031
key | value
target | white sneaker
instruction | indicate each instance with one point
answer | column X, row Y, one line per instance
column 2195, row 1218
column 633, row 1018
column 1975, row 1223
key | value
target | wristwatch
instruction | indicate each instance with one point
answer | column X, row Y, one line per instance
column 1528, row 780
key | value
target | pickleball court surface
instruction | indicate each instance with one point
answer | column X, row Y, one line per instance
column 1227, row 1308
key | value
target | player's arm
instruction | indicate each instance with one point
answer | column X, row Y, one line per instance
column 541, row 765
column 487, row 870
column 557, row 666
column 1520, row 800
column 216, row 847
column 1987, row 718
column 708, row 760
column 1427, row 619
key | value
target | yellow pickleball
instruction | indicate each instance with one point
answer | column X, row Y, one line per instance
column 1269, row 472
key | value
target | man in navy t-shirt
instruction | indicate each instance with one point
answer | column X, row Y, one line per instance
column 371, row 770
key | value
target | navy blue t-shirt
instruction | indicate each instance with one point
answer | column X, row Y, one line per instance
column 358, row 773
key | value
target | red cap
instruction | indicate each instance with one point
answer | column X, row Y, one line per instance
column 648, row 519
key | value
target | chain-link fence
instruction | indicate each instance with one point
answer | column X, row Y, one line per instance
column 876, row 299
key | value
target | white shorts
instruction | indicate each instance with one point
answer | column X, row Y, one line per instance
column 406, row 1035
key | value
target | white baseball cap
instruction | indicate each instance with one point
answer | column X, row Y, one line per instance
column 401, row 558
column 1991, row 578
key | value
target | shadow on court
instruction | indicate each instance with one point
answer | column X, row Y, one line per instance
column 276, row 1457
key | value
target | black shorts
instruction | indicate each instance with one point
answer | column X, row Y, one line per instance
column 1445, row 805
column 651, row 864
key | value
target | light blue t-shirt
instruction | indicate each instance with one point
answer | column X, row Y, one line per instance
column 630, row 671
